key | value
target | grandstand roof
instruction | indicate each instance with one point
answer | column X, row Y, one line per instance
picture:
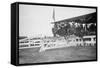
column 87, row 18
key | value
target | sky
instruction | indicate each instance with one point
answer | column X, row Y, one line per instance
column 35, row 20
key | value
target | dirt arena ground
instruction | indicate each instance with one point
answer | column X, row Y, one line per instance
column 32, row 55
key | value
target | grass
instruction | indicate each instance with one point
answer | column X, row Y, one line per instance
column 32, row 55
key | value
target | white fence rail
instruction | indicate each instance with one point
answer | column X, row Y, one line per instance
column 49, row 44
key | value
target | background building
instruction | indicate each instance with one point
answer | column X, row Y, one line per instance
column 79, row 26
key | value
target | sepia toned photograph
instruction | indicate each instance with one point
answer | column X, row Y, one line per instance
column 56, row 34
